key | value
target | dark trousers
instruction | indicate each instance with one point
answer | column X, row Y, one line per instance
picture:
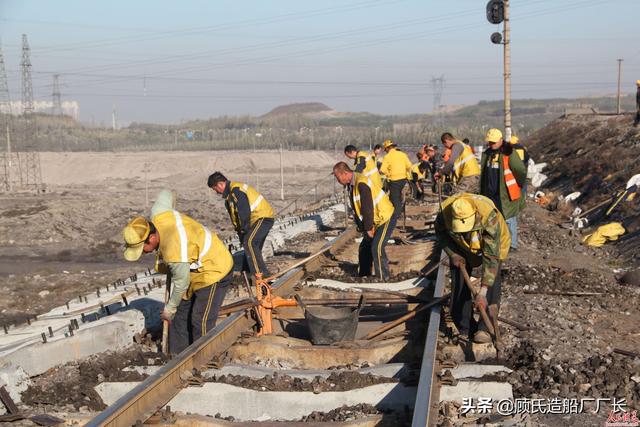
column 636, row 121
column 372, row 251
column 416, row 189
column 197, row 316
column 395, row 194
column 253, row 243
column 462, row 302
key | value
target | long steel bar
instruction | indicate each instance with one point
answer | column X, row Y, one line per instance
column 157, row 390
column 424, row 413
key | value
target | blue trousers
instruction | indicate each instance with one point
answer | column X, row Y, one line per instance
column 513, row 229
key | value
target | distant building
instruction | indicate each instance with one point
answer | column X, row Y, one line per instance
column 69, row 108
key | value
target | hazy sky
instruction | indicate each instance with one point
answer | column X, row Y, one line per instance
column 166, row 61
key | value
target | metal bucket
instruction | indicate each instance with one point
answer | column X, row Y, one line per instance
column 328, row 325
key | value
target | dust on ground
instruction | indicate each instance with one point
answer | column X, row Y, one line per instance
column 67, row 241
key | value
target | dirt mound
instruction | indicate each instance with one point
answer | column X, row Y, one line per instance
column 595, row 155
column 298, row 108
column 573, row 146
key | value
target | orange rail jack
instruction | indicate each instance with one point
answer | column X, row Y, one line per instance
column 267, row 303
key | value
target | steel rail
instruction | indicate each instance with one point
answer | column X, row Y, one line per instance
column 158, row 389
column 425, row 409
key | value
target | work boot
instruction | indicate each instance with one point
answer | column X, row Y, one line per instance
column 482, row 337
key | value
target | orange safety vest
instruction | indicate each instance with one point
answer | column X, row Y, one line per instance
column 512, row 185
column 446, row 155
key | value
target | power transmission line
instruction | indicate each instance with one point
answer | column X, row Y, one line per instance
column 56, row 97
column 6, row 157
column 376, row 42
column 29, row 157
column 437, row 85
column 222, row 27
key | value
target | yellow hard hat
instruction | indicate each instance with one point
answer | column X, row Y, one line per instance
column 494, row 135
column 388, row 144
column 638, row 82
column 514, row 139
column 464, row 216
column 135, row 233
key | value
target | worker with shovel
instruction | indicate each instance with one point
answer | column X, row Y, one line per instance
column 473, row 233
column 251, row 215
column 196, row 261
column 373, row 214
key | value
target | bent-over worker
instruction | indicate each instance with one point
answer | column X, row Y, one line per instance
column 473, row 233
column 461, row 165
column 364, row 163
column 197, row 263
column 252, row 217
column 373, row 215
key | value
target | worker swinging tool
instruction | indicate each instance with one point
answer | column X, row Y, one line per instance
column 473, row 233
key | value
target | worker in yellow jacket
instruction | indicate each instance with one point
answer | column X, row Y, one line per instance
column 395, row 167
column 198, row 266
column 373, row 214
column 461, row 167
column 364, row 163
column 473, row 233
column 252, row 217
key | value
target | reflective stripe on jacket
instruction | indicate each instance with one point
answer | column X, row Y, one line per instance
column 258, row 205
column 382, row 207
column 510, row 180
column 184, row 240
column 370, row 169
column 473, row 241
column 466, row 164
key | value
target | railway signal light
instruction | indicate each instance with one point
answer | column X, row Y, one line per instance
column 495, row 11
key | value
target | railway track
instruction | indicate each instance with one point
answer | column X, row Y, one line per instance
column 406, row 355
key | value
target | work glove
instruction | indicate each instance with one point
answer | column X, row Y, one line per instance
column 371, row 232
column 457, row 261
column 481, row 299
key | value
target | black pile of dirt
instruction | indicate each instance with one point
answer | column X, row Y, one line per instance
column 72, row 385
column 595, row 155
column 344, row 413
column 337, row 381
column 537, row 373
column 574, row 145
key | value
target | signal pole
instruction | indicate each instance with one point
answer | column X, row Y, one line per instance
column 619, row 74
column 507, row 73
